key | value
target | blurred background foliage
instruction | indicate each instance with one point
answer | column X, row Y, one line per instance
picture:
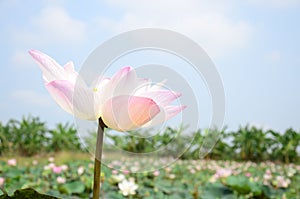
column 30, row 136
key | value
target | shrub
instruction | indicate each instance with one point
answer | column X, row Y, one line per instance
column 63, row 138
column 27, row 137
column 30, row 136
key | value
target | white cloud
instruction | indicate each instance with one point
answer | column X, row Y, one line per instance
column 53, row 25
column 206, row 22
column 276, row 3
column 30, row 97
column 21, row 59
column 56, row 23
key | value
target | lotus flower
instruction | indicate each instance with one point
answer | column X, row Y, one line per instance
column 60, row 180
column 12, row 162
column 2, row 180
column 57, row 170
column 128, row 187
column 124, row 102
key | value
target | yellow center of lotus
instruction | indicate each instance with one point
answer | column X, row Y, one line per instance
column 95, row 89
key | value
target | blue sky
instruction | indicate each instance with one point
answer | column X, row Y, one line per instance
column 254, row 44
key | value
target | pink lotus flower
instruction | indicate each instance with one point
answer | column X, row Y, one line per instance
column 156, row 173
column 60, row 180
column 12, row 162
column 224, row 173
column 124, row 102
column 64, row 167
column 126, row 172
column 51, row 159
column 57, row 170
column 35, row 162
column 115, row 172
column 281, row 182
column 2, row 180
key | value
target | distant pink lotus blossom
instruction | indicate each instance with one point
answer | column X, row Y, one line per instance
column 51, row 159
column 80, row 170
column 223, row 173
column 34, row 162
column 126, row 172
column 12, row 162
column 64, row 167
column 114, row 172
column 156, row 173
column 192, row 171
column 60, row 180
column 2, row 180
column 57, row 169
column 124, row 102
column 51, row 165
column 269, row 172
column 198, row 168
column 281, row 182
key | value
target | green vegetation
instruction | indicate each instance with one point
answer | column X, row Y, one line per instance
column 189, row 179
column 247, row 163
column 246, row 144
column 30, row 137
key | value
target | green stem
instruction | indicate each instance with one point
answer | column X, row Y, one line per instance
column 98, row 158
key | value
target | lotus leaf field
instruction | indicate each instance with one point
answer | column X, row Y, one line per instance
column 256, row 163
column 183, row 179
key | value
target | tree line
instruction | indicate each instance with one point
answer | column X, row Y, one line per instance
column 30, row 136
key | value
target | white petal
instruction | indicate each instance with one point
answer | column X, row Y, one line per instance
column 50, row 68
column 161, row 97
column 78, row 100
column 122, row 83
column 69, row 72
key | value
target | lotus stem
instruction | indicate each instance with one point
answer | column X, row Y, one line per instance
column 98, row 158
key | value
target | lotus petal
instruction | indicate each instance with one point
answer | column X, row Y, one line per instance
column 126, row 112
